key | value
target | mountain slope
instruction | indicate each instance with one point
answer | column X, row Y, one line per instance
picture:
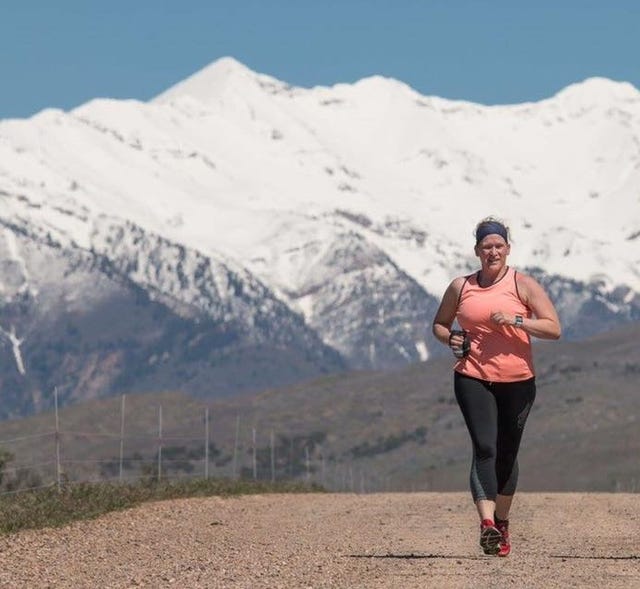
column 138, row 313
column 393, row 430
column 326, row 220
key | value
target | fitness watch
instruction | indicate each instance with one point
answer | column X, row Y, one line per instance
column 518, row 321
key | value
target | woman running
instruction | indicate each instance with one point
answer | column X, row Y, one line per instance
column 498, row 309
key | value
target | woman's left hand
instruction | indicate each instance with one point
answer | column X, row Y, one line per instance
column 502, row 318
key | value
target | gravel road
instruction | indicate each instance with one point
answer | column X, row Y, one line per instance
column 395, row 540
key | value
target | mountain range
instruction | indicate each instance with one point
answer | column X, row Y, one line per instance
column 237, row 233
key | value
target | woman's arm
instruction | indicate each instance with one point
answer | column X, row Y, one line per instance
column 446, row 314
column 545, row 323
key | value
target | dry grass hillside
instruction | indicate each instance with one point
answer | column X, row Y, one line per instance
column 370, row 431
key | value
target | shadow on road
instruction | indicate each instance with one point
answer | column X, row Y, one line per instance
column 575, row 556
column 412, row 556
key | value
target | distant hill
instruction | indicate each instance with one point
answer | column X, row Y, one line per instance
column 397, row 430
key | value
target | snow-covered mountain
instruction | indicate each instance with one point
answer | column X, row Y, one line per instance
column 323, row 222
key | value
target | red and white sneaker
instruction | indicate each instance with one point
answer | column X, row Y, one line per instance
column 504, row 545
column 489, row 537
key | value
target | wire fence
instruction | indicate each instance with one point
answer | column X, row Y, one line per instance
column 61, row 456
column 122, row 442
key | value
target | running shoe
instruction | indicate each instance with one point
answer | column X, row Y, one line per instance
column 489, row 537
column 505, row 543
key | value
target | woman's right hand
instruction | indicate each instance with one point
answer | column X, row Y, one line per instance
column 459, row 343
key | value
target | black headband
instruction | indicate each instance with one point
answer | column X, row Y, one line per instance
column 491, row 228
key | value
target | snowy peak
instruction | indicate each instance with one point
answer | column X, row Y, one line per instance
column 599, row 91
column 375, row 86
column 221, row 79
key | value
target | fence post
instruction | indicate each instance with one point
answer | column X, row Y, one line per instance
column 235, row 448
column 206, row 443
column 273, row 458
column 307, row 463
column 159, row 443
column 57, row 437
column 121, row 436
column 291, row 457
column 255, row 462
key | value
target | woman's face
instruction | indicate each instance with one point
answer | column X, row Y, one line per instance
column 493, row 251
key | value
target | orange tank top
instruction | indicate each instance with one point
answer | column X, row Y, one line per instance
column 498, row 353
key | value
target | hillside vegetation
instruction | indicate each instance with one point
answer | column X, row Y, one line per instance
column 366, row 431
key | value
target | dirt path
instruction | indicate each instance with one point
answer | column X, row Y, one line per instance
column 366, row 541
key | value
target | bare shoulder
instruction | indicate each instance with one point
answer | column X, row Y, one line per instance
column 459, row 281
column 525, row 280
column 456, row 285
column 451, row 295
column 528, row 286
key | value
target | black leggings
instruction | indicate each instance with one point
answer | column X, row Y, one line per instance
column 495, row 414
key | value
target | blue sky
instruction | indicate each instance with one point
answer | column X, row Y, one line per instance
column 63, row 53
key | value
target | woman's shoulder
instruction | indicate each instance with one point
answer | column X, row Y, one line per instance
column 460, row 281
column 457, row 284
column 526, row 284
column 523, row 278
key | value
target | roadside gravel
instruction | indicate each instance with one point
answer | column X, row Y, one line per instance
column 396, row 540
